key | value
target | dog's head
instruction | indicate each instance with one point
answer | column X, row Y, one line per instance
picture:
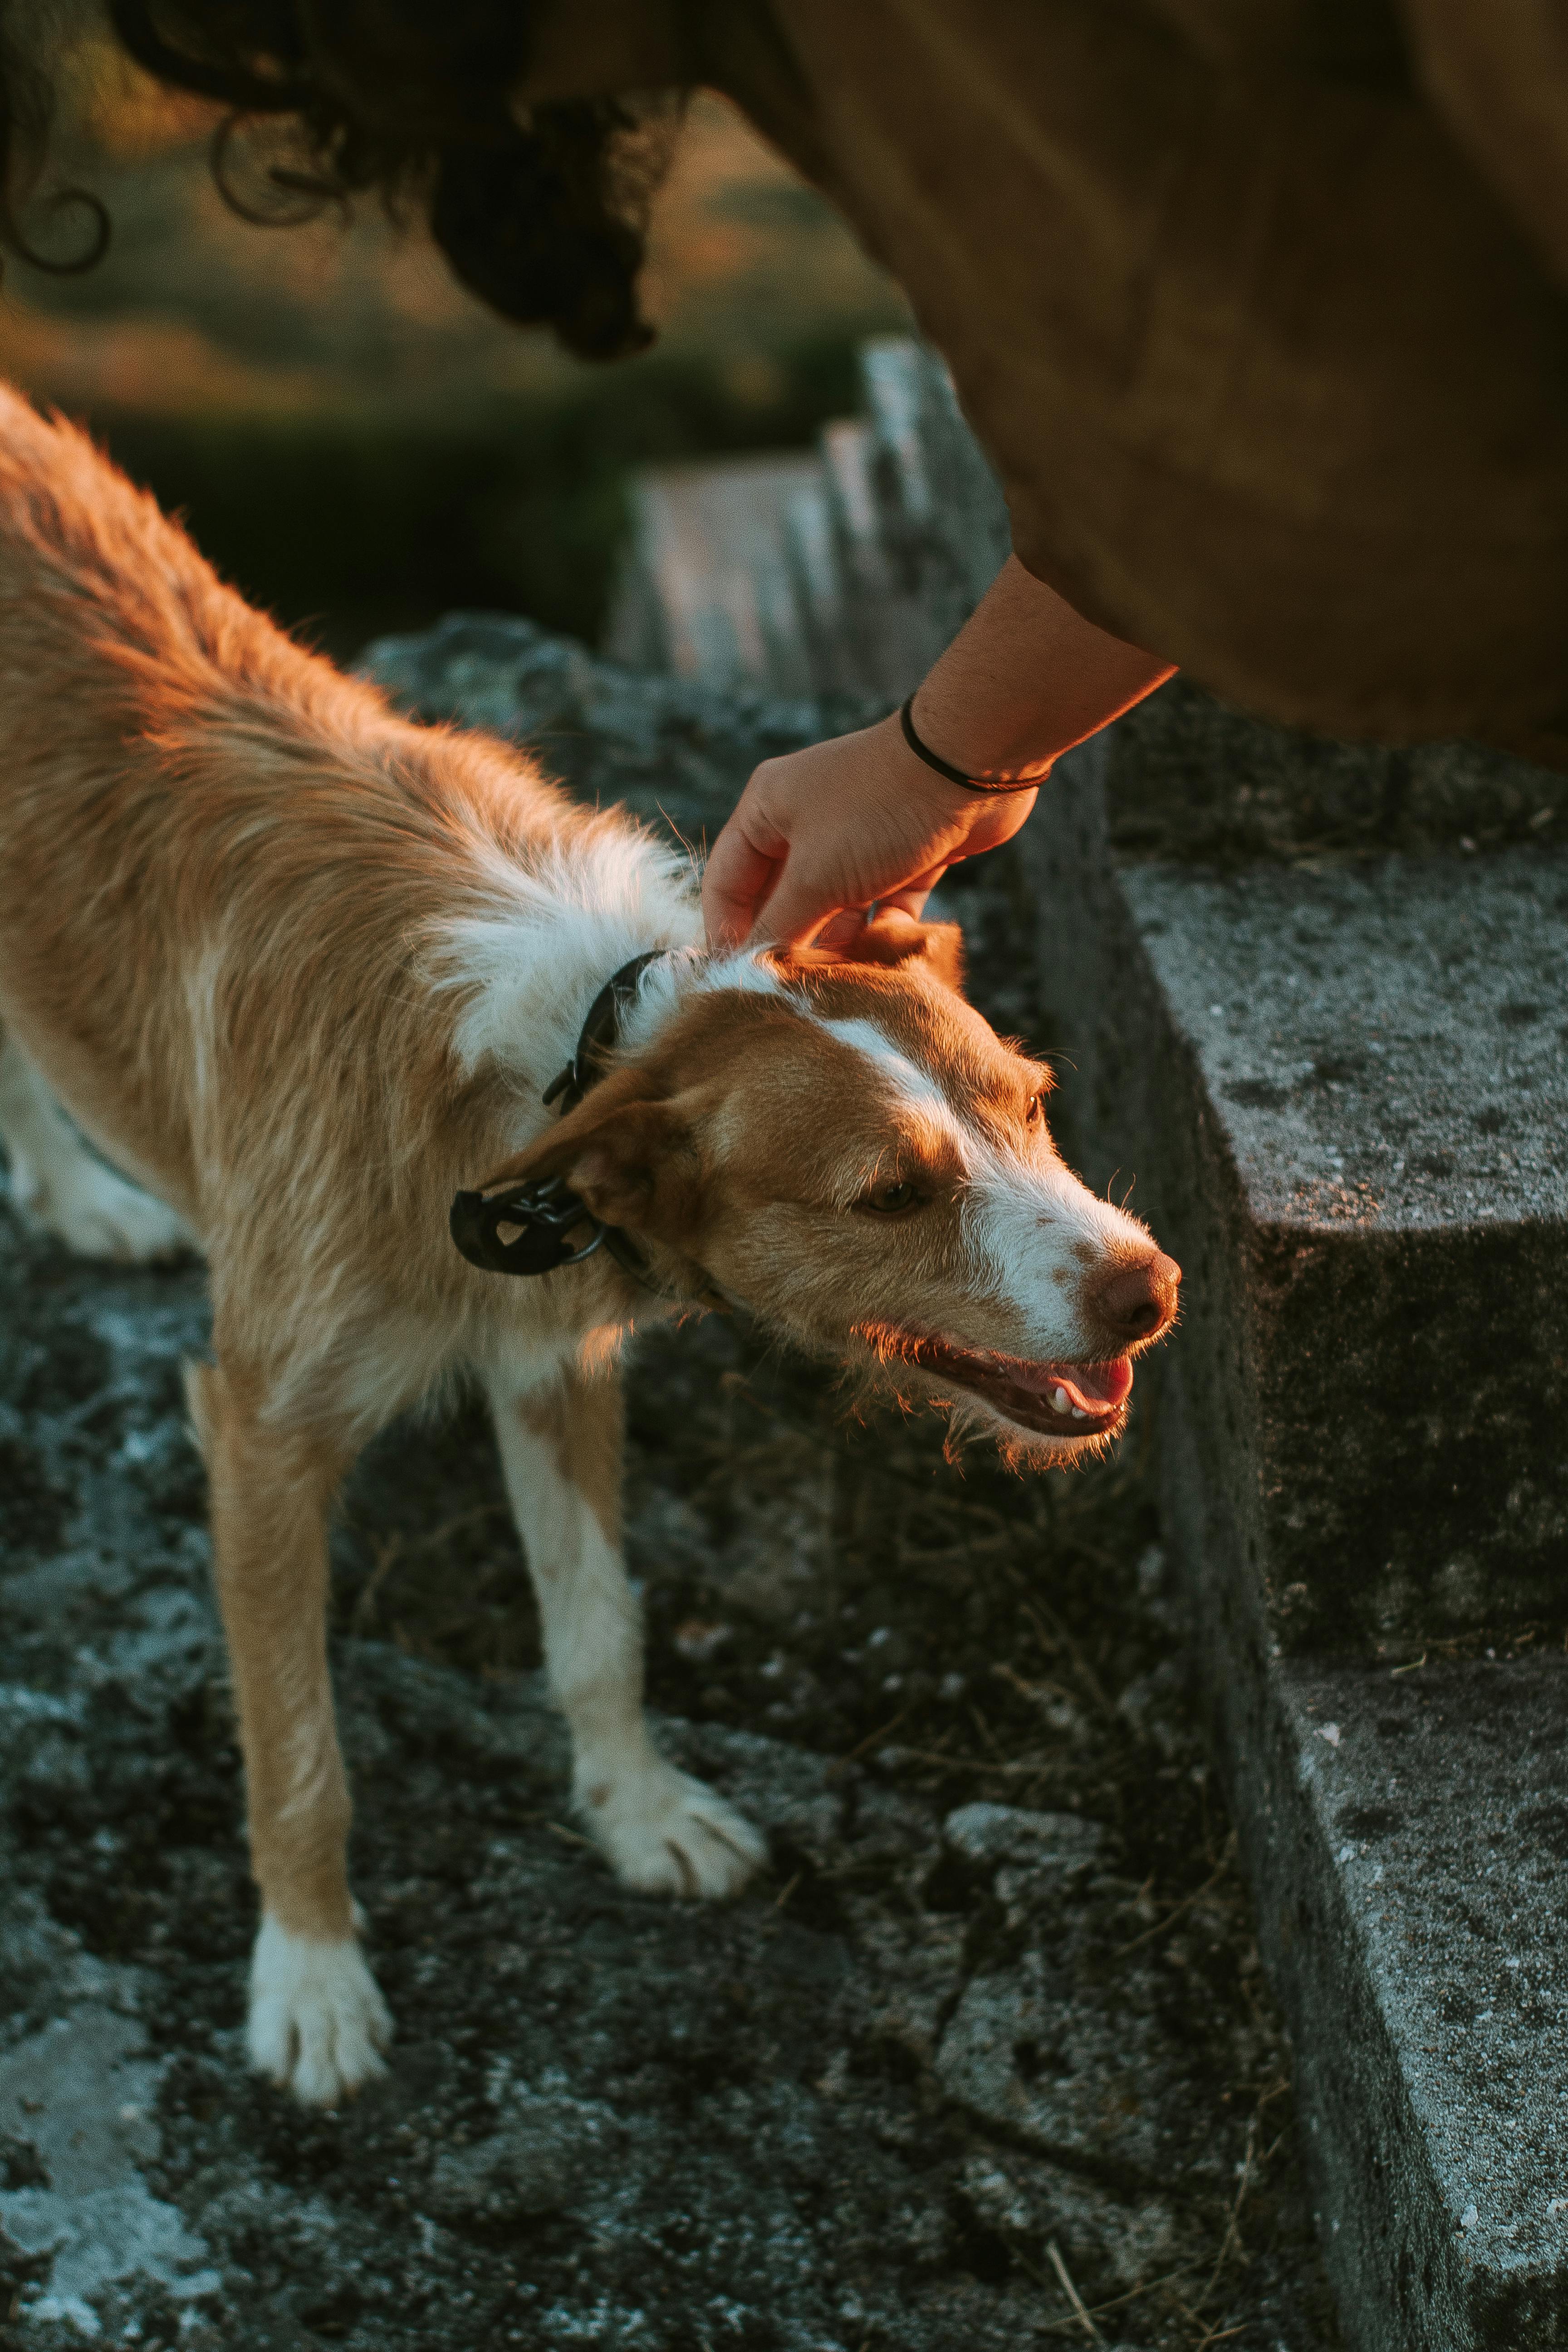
column 845, row 1146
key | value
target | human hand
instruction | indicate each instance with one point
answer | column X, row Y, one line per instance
column 826, row 832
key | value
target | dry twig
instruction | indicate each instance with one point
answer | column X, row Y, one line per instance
column 1054, row 2256
column 1186, row 1902
column 363, row 1614
column 872, row 1739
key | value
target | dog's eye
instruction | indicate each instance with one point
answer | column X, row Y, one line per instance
column 891, row 1199
column 1035, row 1114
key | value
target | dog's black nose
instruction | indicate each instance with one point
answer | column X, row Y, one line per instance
column 1138, row 1301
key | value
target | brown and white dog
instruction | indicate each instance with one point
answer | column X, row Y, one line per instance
column 303, row 970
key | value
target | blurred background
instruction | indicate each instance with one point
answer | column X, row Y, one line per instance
column 356, row 442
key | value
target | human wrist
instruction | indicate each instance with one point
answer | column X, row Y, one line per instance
column 914, row 780
column 949, row 813
column 991, row 721
column 1002, row 779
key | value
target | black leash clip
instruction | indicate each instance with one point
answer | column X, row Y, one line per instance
column 541, row 1215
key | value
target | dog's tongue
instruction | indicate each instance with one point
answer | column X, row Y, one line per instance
column 1103, row 1384
column 1093, row 1388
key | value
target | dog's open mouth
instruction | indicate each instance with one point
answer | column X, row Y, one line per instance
column 1072, row 1401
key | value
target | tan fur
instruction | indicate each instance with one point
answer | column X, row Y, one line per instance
column 229, row 882
column 583, row 1421
column 270, row 1491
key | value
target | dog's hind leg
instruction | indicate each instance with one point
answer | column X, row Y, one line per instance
column 57, row 1183
column 664, row 1833
column 317, row 2019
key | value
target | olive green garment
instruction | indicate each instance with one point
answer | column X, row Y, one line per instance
column 1258, row 306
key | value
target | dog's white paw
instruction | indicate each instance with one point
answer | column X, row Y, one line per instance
column 668, row 1834
column 97, row 1213
column 318, row 2022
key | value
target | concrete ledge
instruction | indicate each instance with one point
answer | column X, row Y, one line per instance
column 1341, row 1095
column 1193, row 777
column 1405, row 1837
column 1340, row 1091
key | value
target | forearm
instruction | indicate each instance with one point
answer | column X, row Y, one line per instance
column 1025, row 678
column 861, row 819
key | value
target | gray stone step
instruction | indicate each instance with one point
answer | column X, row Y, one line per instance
column 1340, row 1091
column 842, row 572
column 706, row 590
column 1407, row 1836
column 1344, row 1093
column 944, row 517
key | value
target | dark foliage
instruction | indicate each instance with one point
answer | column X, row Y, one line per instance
column 352, row 526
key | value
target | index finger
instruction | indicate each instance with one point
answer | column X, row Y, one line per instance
column 736, row 884
column 798, row 905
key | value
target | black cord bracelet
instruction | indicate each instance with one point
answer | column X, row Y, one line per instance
column 957, row 775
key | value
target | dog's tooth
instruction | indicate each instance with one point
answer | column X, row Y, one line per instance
column 1079, row 1413
column 1061, row 1400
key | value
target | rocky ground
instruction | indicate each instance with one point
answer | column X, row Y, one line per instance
column 987, row 2060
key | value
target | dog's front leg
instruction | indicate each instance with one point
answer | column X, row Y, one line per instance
column 664, row 1832
column 317, row 2019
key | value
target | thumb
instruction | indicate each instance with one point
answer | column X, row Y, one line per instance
column 913, row 894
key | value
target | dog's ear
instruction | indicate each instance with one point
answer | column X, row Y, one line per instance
column 939, row 947
column 893, row 937
column 637, row 1169
column 626, row 1151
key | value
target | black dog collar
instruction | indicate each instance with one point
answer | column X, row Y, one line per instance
column 541, row 1216
column 600, row 1034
